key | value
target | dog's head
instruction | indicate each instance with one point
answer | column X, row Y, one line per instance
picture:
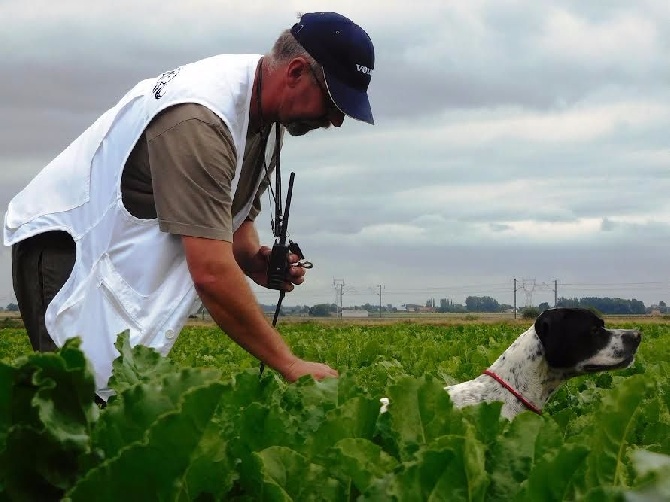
column 577, row 340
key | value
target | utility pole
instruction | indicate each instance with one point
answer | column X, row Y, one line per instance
column 555, row 293
column 514, row 298
column 339, row 291
column 380, row 286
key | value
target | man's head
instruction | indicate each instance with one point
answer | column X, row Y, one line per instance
column 326, row 61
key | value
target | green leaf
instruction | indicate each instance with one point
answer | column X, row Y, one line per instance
column 282, row 474
column 7, row 375
column 136, row 365
column 248, row 388
column 473, row 478
column 360, row 460
column 356, row 418
column 603, row 494
column 64, row 394
column 48, row 416
column 512, row 457
column 553, row 476
column 615, row 422
column 183, row 457
column 261, row 426
column 36, row 466
column 420, row 410
column 128, row 417
column 451, row 468
column 486, row 420
column 310, row 400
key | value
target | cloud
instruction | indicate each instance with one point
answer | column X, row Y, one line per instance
column 513, row 138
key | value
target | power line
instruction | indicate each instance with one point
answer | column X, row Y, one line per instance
column 531, row 287
column 614, row 283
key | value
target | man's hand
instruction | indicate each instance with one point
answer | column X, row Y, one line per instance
column 253, row 258
column 257, row 269
column 301, row 368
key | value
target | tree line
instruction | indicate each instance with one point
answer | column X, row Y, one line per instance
column 488, row 304
column 606, row 305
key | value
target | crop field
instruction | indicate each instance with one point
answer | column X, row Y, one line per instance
column 203, row 424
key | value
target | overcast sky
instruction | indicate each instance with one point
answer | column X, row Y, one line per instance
column 514, row 139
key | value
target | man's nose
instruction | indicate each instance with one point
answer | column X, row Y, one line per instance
column 336, row 118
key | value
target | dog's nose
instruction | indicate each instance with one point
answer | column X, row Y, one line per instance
column 632, row 338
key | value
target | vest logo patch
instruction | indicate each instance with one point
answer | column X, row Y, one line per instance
column 163, row 80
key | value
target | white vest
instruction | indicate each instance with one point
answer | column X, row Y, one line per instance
column 127, row 274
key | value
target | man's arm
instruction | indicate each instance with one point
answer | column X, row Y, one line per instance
column 227, row 296
column 193, row 159
column 253, row 258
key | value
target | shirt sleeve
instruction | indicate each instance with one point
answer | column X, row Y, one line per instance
column 192, row 159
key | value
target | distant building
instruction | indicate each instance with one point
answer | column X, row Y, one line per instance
column 355, row 313
column 414, row 307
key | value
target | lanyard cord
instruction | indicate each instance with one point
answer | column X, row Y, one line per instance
column 277, row 224
column 273, row 195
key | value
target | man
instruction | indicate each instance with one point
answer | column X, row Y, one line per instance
column 155, row 202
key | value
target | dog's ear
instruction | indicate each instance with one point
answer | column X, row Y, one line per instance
column 545, row 320
column 550, row 328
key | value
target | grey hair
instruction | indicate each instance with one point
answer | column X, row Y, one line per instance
column 286, row 48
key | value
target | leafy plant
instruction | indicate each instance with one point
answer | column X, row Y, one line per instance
column 193, row 428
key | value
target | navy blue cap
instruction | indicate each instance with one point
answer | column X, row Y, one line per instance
column 347, row 56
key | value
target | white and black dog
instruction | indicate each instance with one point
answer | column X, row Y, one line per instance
column 561, row 344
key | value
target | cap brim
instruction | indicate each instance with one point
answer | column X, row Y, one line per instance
column 350, row 101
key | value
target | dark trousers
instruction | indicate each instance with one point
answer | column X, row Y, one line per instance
column 40, row 266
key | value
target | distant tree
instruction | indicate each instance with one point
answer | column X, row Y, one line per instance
column 530, row 313
column 12, row 307
column 605, row 305
column 662, row 307
column 637, row 307
column 482, row 304
column 568, row 302
column 451, row 307
column 544, row 306
column 614, row 305
column 322, row 310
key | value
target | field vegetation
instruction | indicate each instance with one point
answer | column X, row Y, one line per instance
column 203, row 424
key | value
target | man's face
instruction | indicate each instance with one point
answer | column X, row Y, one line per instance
column 312, row 106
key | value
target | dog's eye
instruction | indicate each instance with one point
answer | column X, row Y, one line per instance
column 598, row 332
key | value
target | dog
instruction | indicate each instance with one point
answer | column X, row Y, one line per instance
column 561, row 344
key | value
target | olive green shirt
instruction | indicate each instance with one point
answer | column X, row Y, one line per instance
column 181, row 172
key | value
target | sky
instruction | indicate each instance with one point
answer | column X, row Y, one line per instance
column 519, row 139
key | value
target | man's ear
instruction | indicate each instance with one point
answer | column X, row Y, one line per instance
column 296, row 69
